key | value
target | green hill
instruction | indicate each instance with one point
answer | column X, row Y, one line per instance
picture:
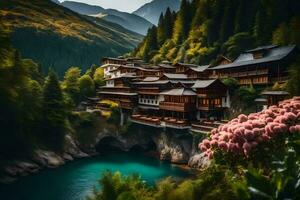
column 202, row 29
column 59, row 38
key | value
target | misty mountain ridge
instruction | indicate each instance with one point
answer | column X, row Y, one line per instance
column 151, row 11
column 127, row 20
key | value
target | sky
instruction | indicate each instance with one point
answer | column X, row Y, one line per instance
column 122, row 5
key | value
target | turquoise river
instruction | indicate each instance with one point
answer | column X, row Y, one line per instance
column 75, row 180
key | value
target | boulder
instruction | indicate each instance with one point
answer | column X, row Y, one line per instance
column 199, row 161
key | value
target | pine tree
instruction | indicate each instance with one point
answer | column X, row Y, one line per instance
column 182, row 23
column 71, row 83
column 168, row 24
column 150, row 43
column 161, row 35
column 54, row 113
column 227, row 24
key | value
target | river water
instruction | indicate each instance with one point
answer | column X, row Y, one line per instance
column 76, row 180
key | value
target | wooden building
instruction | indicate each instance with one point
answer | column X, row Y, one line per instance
column 261, row 66
column 118, row 89
column 198, row 72
column 274, row 97
column 178, row 104
column 212, row 99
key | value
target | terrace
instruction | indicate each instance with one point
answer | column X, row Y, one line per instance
column 160, row 122
column 205, row 126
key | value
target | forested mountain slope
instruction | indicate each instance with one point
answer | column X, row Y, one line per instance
column 202, row 29
column 58, row 38
column 127, row 20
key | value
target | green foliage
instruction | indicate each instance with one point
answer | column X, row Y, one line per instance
column 99, row 77
column 231, row 83
column 202, row 29
column 86, row 86
column 20, row 100
column 55, row 37
column 237, row 44
column 293, row 84
column 118, row 187
column 54, row 113
column 71, row 83
column 247, row 94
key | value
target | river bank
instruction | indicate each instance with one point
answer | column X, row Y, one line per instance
column 169, row 145
column 75, row 180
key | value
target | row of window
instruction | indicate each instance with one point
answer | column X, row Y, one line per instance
column 148, row 101
column 207, row 102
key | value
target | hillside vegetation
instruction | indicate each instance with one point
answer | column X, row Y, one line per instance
column 59, row 38
column 202, row 29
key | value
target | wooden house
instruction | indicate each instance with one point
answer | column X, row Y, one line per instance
column 212, row 98
column 261, row 66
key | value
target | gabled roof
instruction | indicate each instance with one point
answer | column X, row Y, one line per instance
column 175, row 76
column 200, row 68
column 179, row 92
column 274, row 54
column 167, row 66
column 187, row 64
column 203, row 83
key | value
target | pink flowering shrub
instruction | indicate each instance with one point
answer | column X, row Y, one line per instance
column 243, row 134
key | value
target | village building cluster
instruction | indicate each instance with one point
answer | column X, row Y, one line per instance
column 188, row 96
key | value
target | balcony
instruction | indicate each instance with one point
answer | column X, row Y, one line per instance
column 145, row 120
column 176, row 123
column 178, row 107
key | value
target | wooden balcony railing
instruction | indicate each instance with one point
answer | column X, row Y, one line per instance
column 174, row 106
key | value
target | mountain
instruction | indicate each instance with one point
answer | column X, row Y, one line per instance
column 203, row 29
column 151, row 11
column 129, row 21
column 57, row 37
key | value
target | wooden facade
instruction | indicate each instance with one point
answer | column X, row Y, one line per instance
column 260, row 66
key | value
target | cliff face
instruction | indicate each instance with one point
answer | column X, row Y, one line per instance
column 170, row 145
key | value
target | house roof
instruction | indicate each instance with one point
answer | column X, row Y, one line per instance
column 183, row 81
column 167, row 66
column 187, row 64
column 116, row 59
column 274, row 54
column 203, row 83
column 151, row 79
column 262, row 48
column 159, row 82
column 175, row 76
column 119, row 93
column 179, row 92
column 147, row 69
column 200, row 68
column 125, row 75
column 275, row 93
